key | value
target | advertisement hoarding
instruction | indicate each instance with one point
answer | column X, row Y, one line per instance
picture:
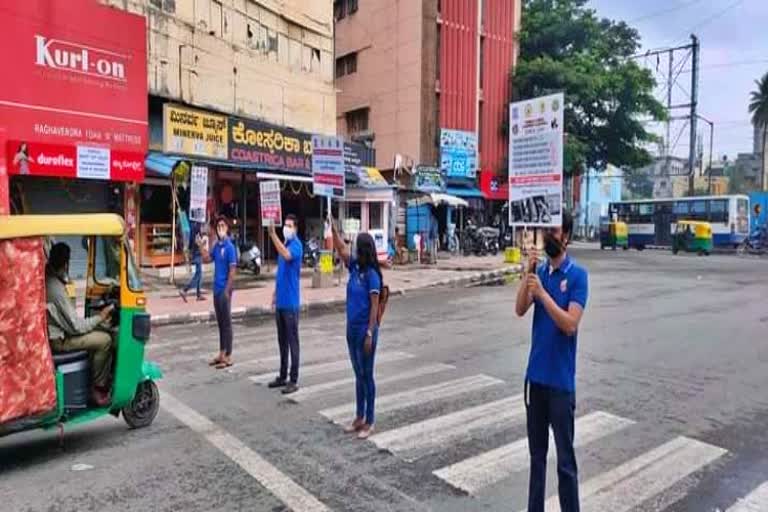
column 328, row 166
column 271, row 206
column 76, row 78
column 194, row 132
column 198, row 193
column 536, row 161
column 458, row 154
column 270, row 147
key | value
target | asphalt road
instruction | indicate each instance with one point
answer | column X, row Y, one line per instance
column 672, row 408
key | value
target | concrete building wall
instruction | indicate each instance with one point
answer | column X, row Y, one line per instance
column 387, row 36
column 266, row 59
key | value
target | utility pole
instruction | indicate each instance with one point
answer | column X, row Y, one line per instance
column 668, row 139
column 694, row 106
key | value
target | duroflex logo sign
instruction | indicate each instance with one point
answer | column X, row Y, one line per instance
column 78, row 58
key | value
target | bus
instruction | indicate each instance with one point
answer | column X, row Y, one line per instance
column 651, row 221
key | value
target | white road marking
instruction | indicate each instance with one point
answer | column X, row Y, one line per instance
column 334, row 366
column 322, row 353
column 756, row 501
column 414, row 441
column 280, row 485
column 476, row 473
column 416, row 396
column 312, row 391
column 629, row 485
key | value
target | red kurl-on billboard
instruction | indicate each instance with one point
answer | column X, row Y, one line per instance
column 73, row 97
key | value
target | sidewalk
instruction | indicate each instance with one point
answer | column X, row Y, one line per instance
column 253, row 296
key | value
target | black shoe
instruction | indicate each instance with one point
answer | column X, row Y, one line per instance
column 277, row 383
column 291, row 387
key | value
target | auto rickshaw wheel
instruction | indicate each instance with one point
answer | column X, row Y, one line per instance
column 143, row 408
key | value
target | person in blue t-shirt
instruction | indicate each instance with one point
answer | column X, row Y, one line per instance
column 287, row 300
column 224, row 259
column 558, row 289
column 363, row 290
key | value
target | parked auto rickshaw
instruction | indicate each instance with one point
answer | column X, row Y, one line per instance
column 42, row 389
column 613, row 235
column 692, row 236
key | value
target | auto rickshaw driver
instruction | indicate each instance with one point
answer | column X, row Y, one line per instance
column 67, row 332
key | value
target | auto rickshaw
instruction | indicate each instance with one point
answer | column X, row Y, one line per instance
column 42, row 389
column 692, row 236
column 613, row 235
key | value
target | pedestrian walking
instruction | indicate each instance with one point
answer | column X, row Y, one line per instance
column 286, row 300
column 198, row 242
column 224, row 259
column 558, row 290
column 363, row 291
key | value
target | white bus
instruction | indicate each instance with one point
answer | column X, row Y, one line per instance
column 651, row 221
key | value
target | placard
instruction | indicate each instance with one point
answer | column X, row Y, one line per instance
column 536, row 161
column 271, row 206
column 198, row 193
column 328, row 166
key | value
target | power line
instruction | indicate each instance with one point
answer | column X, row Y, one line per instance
column 713, row 17
column 664, row 11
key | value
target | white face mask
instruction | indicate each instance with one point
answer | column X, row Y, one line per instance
column 222, row 232
column 288, row 233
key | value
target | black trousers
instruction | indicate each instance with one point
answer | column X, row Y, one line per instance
column 288, row 341
column 549, row 407
column 222, row 304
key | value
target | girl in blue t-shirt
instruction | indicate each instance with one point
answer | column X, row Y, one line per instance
column 363, row 289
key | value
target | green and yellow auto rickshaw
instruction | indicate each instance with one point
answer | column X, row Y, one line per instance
column 692, row 236
column 43, row 389
column 613, row 235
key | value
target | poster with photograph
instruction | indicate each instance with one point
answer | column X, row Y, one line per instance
column 536, row 161
column 198, row 193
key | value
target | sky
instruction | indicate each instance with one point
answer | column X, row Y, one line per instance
column 734, row 53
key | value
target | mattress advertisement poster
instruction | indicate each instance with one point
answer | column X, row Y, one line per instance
column 536, row 162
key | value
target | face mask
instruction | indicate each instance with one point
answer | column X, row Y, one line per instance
column 552, row 246
column 222, row 232
column 288, row 233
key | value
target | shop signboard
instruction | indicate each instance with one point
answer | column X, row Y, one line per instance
column 536, row 161
column 494, row 186
column 76, row 90
column 198, row 193
column 458, row 153
column 269, row 147
column 328, row 168
column 194, row 132
column 271, row 206
column 428, row 179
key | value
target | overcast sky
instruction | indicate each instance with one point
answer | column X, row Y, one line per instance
column 734, row 52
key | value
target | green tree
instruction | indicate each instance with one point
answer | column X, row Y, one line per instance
column 758, row 107
column 565, row 47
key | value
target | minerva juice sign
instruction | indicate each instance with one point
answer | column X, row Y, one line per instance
column 73, row 99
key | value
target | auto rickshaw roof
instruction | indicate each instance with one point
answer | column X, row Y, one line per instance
column 21, row 226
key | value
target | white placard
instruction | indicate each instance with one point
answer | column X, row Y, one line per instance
column 271, row 206
column 198, row 193
column 536, row 161
column 93, row 163
column 328, row 166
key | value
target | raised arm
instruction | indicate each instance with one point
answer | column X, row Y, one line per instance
column 524, row 297
column 340, row 245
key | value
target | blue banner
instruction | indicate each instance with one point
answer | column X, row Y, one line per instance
column 458, row 154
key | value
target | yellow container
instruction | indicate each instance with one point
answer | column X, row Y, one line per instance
column 512, row 255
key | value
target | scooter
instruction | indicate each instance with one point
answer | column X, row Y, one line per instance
column 250, row 258
column 312, row 253
column 755, row 243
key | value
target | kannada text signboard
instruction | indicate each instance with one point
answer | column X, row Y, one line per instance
column 193, row 132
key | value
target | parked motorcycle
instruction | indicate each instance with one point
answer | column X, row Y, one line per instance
column 250, row 258
column 312, row 253
column 756, row 242
column 490, row 238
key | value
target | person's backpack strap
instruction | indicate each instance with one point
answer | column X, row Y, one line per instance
column 383, row 299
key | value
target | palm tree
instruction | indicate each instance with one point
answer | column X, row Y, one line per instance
column 758, row 107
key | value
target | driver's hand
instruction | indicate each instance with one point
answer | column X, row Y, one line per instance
column 106, row 312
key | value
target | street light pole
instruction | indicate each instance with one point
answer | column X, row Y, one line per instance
column 711, row 146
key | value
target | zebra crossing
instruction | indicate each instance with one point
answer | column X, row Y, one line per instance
column 417, row 433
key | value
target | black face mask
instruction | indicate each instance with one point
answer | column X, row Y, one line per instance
column 552, row 246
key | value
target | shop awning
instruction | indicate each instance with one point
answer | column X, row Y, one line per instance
column 437, row 199
column 160, row 164
column 465, row 192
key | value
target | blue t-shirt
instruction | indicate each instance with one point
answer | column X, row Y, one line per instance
column 552, row 361
column 360, row 286
column 224, row 256
column 288, row 279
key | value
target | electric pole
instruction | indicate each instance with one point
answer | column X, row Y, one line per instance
column 694, row 105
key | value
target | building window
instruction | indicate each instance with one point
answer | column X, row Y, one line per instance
column 375, row 216
column 357, row 120
column 346, row 65
column 343, row 8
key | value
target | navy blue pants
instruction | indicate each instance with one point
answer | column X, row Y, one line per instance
column 222, row 305
column 288, row 340
column 362, row 365
column 549, row 407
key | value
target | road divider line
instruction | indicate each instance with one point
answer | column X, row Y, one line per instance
column 416, row 396
column 306, row 392
column 629, row 485
column 756, row 501
column 280, row 485
column 334, row 366
column 476, row 473
column 416, row 440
